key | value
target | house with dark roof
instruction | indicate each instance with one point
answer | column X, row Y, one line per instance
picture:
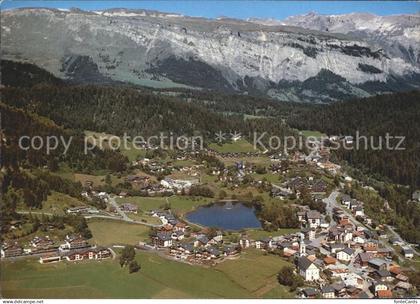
column 313, row 218
column 309, row 293
column 163, row 239
column 408, row 252
column 345, row 255
column 307, row 269
column 328, row 292
column 383, row 275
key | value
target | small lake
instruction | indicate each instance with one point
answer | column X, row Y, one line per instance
column 227, row 216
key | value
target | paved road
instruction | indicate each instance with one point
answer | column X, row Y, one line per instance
column 123, row 215
column 333, row 203
column 330, row 203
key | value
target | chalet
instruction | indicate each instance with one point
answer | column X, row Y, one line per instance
column 180, row 227
column 378, row 286
column 201, row 240
column 345, row 255
column 12, row 250
column 229, row 250
column 408, row 252
column 416, row 196
column 128, row 207
column 307, row 269
column 313, row 218
column 353, row 292
column 352, row 279
column 358, row 211
column 359, row 239
column 98, row 253
column 163, row 239
column 266, row 243
column 345, row 200
column 396, row 241
column 384, row 294
column 319, row 187
column 401, row 277
column 384, row 253
column 336, row 247
column 214, row 252
column 383, row 275
column 309, row 293
column 363, row 258
column 218, row 237
column 301, row 216
column 328, row 292
column 177, row 235
column 74, row 242
column 403, row 286
column 187, row 248
column 42, row 242
column 122, row 194
column 244, row 242
column 280, row 193
column 370, row 246
column 378, row 264
column 78, row 210
column 339, row 288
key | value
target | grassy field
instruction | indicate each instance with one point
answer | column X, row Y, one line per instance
column 55, row 204
column 108, row 232
column 143, row 217
column 235, row 147
column 158, row 278
column 254, row 271
column 180, row 204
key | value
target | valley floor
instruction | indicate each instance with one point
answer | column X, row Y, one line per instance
column 158, row 278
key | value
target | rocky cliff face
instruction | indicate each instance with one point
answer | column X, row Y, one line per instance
column 165, row 50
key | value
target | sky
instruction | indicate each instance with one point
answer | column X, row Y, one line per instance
column 235, row 8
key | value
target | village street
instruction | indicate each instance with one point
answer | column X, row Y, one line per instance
column 331, row 202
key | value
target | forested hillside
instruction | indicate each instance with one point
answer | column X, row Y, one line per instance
column 395, row 114
column 18, row 122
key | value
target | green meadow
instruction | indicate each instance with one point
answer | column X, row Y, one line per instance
column 250, row 276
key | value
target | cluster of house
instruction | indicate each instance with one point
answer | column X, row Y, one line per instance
column 182, row 244
column 128, row 207
column 201, row 248
column 74, row 248
column 343, row 260
column 355, row 206
column 82, row 210
column 233, row 154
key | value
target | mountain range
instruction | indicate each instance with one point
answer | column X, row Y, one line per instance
column 310, row 58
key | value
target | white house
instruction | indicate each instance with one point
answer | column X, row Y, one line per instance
column 308, row 270
column 313, row 218
column 345, row 255
column 408, row 252
column 352, row 279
